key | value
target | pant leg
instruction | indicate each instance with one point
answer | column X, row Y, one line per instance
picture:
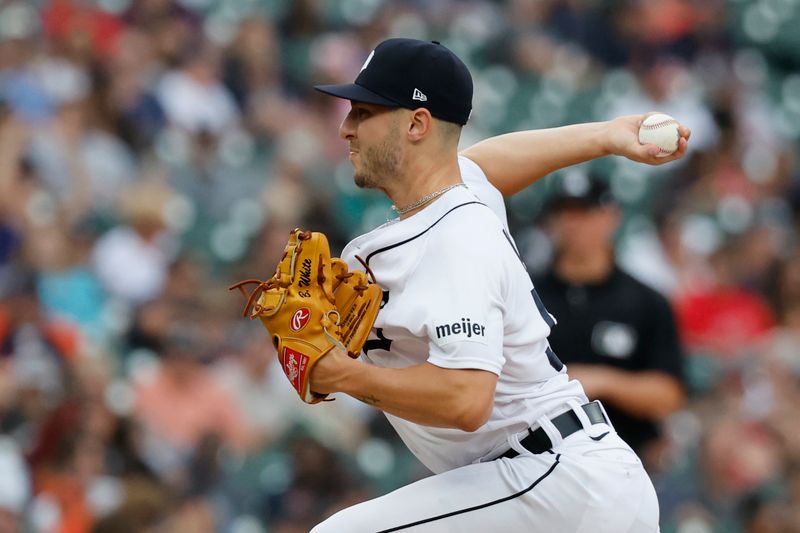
column 475, row 498
column 620, row 497
column 584, row 486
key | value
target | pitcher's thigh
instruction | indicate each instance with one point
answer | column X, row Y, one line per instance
column 618, row 494
column 526, row 494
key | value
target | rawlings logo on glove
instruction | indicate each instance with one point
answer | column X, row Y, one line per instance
column 300, row 319
column 311, row 304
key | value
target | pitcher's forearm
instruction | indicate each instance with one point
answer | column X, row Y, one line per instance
column 515, row 160
column 424, row 394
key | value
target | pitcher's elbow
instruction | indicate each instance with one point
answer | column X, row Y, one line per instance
column 473, row 417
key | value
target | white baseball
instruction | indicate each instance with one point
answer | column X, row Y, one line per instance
column 661, row 130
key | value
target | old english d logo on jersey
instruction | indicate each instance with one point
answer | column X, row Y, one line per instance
column 295, row 365
column 300, row 319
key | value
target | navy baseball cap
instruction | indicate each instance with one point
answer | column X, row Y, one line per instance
column 410, row 73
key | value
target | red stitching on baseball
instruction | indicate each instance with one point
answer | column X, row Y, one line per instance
column 659, row 124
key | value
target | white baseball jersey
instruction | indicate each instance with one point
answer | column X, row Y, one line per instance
column 457, row 295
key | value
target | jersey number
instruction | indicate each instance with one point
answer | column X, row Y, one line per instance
column 555, row 362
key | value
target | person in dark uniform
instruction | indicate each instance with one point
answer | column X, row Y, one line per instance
column 616, row 335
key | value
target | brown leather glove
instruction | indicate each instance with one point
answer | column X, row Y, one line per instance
column 311, row 304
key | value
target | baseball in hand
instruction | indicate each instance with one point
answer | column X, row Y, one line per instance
column 661, row 130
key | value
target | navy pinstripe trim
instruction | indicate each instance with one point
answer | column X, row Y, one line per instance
column 555, row 362
column 395, row 245
column 542, row 309
column 477, row 507
column 511, row 243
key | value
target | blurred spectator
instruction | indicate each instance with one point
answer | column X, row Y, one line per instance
column 75, row 158
column 126, row 90
column 254, row 380
column 655, row 255
column 252, row 67
column 15, row 486
column 132, row 260
column 785, row 340
column 66, row 286
column 617, row 336
column 18, row 50
column 36, row 348
column 723, row 318
column 79, row 29
column 194, row 98
column 179, row 404
column 17, row 186
column 665, row 84
column 319, row 487
column 63, row 486
column 143, row 509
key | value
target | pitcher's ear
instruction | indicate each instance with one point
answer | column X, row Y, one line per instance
column 419, row 124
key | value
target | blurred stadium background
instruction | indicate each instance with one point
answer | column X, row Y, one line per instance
column 153, row 151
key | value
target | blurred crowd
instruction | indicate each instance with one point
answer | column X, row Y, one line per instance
column 152, row 152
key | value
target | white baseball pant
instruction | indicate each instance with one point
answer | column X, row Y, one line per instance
column 581, row 485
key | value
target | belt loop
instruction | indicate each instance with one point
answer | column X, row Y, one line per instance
column 591, row 429
column 580, row 413
column 514, row 441
column 608, row 418
column 550, row 429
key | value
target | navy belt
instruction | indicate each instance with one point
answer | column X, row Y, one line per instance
column 566, row 423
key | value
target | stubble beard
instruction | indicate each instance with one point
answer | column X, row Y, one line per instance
column 380, row 164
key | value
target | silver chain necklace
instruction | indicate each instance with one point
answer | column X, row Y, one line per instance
column 425, row 199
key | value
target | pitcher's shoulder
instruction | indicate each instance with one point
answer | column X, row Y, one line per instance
column 472, row 227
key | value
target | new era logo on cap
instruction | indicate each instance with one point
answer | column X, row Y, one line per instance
column 394, row 72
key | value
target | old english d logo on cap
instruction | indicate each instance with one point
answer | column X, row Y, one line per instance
column 369, row 58
column 412, row 74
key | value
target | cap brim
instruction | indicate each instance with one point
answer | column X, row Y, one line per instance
column 356, row 93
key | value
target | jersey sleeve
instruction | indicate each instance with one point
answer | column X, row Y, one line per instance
column 477, row 181
column 464, row 288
